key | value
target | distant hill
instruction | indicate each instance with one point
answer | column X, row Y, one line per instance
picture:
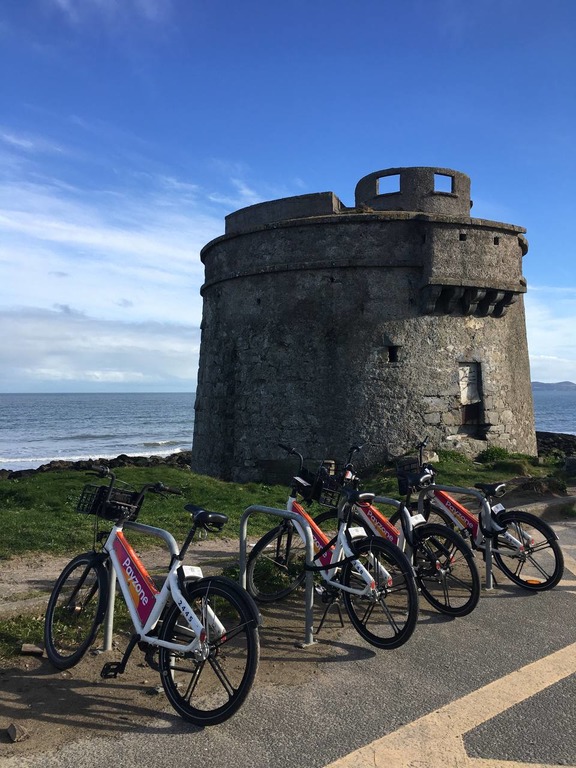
column 555, row 386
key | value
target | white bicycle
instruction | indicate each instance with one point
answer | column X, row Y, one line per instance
column 201, row 634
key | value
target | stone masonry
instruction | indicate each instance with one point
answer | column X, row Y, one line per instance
column 396, row 319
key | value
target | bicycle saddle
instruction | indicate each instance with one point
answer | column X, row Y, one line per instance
column 205, row 518
column 491, row 489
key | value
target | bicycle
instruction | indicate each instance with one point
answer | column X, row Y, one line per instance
column 443, row 564
column 373, row 577
column 200, row 633
column 524, row 547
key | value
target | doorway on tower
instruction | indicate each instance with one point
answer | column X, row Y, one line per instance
column 472, row 415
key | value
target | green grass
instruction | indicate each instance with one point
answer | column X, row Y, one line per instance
column 38, row 512
column 17, row 631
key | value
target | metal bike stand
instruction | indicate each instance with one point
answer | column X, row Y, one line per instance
column 309, row 578
column 489, row 579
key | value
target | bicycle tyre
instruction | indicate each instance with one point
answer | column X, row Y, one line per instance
column 446, row 571
column 541, row 566
column 275, row 566
column 75, row 610
column 209, row 691
column 395, row 620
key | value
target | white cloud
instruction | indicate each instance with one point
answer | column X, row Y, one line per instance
column 104, row 253
column 79, row 11
column 550, row 321
column 27, row 142
column 63, row 350
column 100, row 274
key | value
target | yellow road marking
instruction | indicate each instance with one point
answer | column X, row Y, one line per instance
column 436, row 738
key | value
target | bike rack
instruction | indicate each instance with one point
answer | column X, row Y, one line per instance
column 309, row 578
column 489, row 579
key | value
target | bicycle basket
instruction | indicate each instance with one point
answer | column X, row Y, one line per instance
column 325, row 487
column 407, row 472
column 122, row 503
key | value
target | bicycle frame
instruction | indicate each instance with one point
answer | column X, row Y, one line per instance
column 144, row 602
column 482, row 528
column 381, row 526
column 330, row 554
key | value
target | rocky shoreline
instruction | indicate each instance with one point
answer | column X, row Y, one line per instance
column 178, row 460
column 547, row 442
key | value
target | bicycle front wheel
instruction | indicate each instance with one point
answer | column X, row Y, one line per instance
column 75, row 610
column 207, row 688
column 445, row 570
column 385, row 617
column 540, row 565
column 275, row 566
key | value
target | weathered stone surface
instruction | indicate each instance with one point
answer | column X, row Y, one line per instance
column 338, row 325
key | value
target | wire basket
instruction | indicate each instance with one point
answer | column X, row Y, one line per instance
column 407, row 469
column 121, row 504
column 329, row 497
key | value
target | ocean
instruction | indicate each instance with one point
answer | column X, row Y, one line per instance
column 37, row 429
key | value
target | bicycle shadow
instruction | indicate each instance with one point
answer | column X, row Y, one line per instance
column 283, row 635
column 57, row 706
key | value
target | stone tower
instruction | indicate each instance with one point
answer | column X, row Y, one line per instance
column 325, row 325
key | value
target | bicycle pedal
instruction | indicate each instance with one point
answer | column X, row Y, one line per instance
column 112, row 669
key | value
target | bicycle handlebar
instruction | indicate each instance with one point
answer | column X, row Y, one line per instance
column 157, row 487
column 161, row 488
column 100, row 470
column 293, row 452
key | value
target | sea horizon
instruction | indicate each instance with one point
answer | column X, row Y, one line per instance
column 38, row 428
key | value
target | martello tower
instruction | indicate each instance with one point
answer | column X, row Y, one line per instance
column 325, row 325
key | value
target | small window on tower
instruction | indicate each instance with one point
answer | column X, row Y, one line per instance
column 393, row 354
column 388, row 185
column 443, row 183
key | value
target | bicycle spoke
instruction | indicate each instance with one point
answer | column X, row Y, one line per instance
column 221, row 675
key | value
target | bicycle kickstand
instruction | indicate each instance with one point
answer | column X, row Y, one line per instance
column 115, row 668
column 332, row 603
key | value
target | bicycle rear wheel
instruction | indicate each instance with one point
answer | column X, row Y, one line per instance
column 75, row 610
column 445, row 570
column 541, row 565
column 275, row 566
column 206, row 690
column 386, row 617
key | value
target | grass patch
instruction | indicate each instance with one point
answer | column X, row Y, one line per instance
column 38, row 512
column 16, row 631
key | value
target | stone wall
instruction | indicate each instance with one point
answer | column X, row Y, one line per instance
column 335, row 325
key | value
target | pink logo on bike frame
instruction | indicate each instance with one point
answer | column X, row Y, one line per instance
column 460, row 512
column 142, row 590
column 377, row 521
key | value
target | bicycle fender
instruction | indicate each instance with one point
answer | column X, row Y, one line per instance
column 542, row 522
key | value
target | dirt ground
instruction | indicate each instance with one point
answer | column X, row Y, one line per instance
column 54, row 707
column 51, row 708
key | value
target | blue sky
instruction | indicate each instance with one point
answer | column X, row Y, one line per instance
column 129, row 129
